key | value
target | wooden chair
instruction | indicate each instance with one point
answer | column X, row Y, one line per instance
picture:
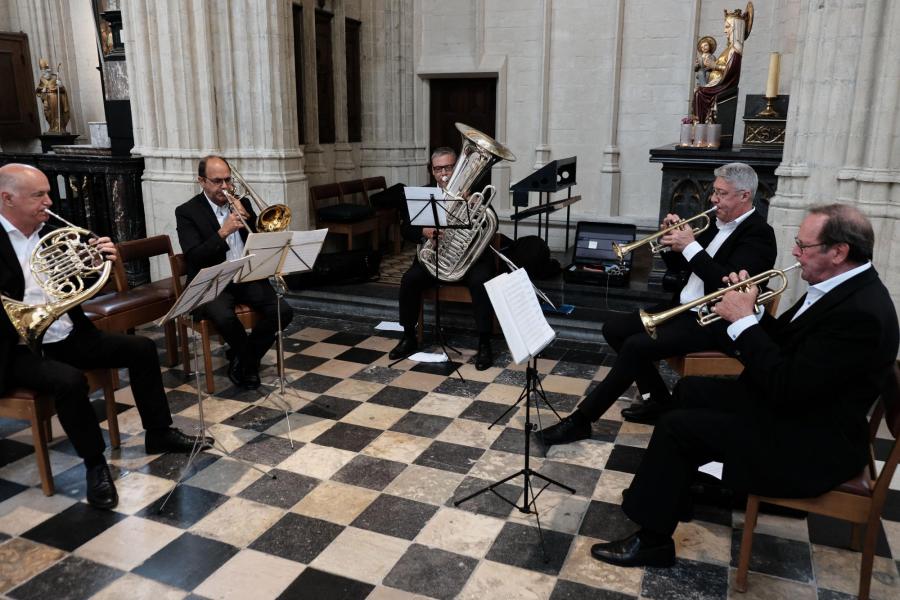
column 204, row 327
column 332, row 211
column 388, row 217
column 712, row 363
column 451, row 293
column 24, row 404
column 859, row 500
column 127, row 308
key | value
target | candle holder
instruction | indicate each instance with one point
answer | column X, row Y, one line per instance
column 769, row 111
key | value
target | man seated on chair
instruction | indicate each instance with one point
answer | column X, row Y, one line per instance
column 211, row 230
column 417, row 279
column 72, row 343
column 794, row 424
column 738, row 238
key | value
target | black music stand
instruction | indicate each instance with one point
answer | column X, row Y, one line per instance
column 532, row 391
column 272, row 256
column 203, row 288
column 432, row 207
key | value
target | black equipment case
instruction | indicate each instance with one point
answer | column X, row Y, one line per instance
column 593, row 260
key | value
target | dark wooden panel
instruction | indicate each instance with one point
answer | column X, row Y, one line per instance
column 325, row 77
column 18, row 107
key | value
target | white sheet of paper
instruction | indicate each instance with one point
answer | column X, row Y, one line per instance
column 389, row 326
column 712, row 468
column 429, row 357
column 307, row 245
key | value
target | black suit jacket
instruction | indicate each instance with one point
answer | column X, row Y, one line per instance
column 813, row 382
column 198, row 233
column 750, row 246
column 12, row 285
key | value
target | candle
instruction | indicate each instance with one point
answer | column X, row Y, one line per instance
column 774, row 68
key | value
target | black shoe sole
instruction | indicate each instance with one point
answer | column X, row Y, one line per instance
column 658, row 558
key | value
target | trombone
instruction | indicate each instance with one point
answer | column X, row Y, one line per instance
column 276, row 217
column 655, row 246
column 705, row 304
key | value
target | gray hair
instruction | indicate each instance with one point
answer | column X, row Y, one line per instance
column 847, row 225
column 441, row 151
column 740, row 175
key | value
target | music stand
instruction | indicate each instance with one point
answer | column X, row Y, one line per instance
column 532, row 391
column 272, row 256
column 433, row 207
column 203, row 288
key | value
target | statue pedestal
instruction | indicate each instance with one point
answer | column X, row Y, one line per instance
column 48, row 140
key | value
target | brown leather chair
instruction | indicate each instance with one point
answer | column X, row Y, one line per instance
column 859, row 500
column 204, row 327
column 127, row 308
column 388, row 217
column 712, row 363
column 452, row 293
column 338, row 215
column 24, row 404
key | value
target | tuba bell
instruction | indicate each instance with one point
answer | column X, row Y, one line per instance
column 459, row 248
column 63, row 264
column 275, row 217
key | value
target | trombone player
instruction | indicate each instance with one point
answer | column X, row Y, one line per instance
column 794, row 424
column 212, row 227
column 739, row 238
column 72, row 343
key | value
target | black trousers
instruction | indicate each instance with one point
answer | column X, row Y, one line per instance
column 59, row 374
column 637, row 353
column 262, row 298
column 417, row 279
column 699, row 430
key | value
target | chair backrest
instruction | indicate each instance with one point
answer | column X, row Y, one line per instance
column 889, row 406
column 325, row 195
column 373, row 184
column 353, row 191
column 179, row 267
column 130, row 250
column 891, row 400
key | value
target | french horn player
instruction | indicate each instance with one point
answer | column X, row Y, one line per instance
column 458, row 256
column 212, row 227
column 738, row 238
column 48, row 354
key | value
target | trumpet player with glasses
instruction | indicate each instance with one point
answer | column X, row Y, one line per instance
column 71, row 343
column 795, row 422
column 738, row 237
column 212, row 228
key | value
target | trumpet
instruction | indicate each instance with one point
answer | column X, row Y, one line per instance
column 655, row 246
column 275, row 217
column 705, row 304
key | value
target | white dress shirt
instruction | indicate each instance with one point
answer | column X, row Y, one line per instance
column 234, row 241
column 694, row 289
column 34, row 294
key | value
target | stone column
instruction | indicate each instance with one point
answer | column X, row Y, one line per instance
column 391, row 92
column 343, row 152
column 843, row 138
column 611, row 171
column 213, row 82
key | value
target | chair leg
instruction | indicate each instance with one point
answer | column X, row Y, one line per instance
column 868, row 557
column 746, row 543
column 39, row 424
column 171, row 345
column 112, row 416
column 207, row 359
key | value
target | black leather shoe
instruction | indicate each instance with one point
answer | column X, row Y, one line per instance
column 407, row 345
column 236, row 372
column 485, row 357
column 634, row 552
column 101, row 491
column 171, row 440
column 647, row 411
column 251, row 379
column 566, row 432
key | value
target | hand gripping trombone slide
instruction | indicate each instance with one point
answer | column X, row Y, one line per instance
column 705, row 304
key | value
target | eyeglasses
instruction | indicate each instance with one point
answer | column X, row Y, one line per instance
column 443, row 168
column 219, row 180
column 803, row 246
column 720, row 193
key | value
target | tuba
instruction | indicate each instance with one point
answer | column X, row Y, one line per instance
column 459, row 248
column 275, row 217
column 63, row 264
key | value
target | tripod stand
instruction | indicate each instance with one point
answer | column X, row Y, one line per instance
column 532, row 389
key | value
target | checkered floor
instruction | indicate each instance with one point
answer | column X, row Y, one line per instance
column 362, row 505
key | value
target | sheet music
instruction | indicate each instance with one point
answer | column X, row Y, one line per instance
column 524, row 325
column 205, row 286
column 281, row 253
column 512, row 267
column 305, row 247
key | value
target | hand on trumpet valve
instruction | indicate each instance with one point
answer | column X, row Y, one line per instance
column 679, row 238
column 738, row 303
